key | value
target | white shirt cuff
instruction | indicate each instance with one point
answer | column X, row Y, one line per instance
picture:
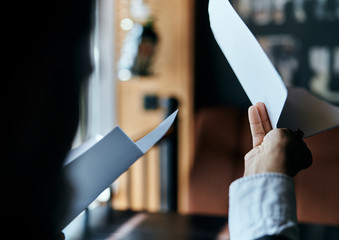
column 261, row 205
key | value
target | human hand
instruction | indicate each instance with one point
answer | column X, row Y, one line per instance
column 274, row 150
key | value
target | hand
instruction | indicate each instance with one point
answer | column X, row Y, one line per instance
column 274, row 150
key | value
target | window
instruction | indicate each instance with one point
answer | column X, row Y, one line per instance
column 98, row 104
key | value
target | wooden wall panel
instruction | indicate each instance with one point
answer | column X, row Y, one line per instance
column 173, row 77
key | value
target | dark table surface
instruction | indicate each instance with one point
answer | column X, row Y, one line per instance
column 105, row 223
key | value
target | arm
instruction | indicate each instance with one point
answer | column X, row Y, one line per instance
column 262, row 203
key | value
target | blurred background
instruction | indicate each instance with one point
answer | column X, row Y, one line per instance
column 153, row 56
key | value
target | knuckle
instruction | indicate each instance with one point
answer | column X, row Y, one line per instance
column 251, row 154
column 282, row 134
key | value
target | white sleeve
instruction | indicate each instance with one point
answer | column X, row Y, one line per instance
column 261, row 205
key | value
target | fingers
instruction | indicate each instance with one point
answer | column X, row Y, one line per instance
column 259, row 122
column 256, row 125
column 264, row 116
column 299, row 156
